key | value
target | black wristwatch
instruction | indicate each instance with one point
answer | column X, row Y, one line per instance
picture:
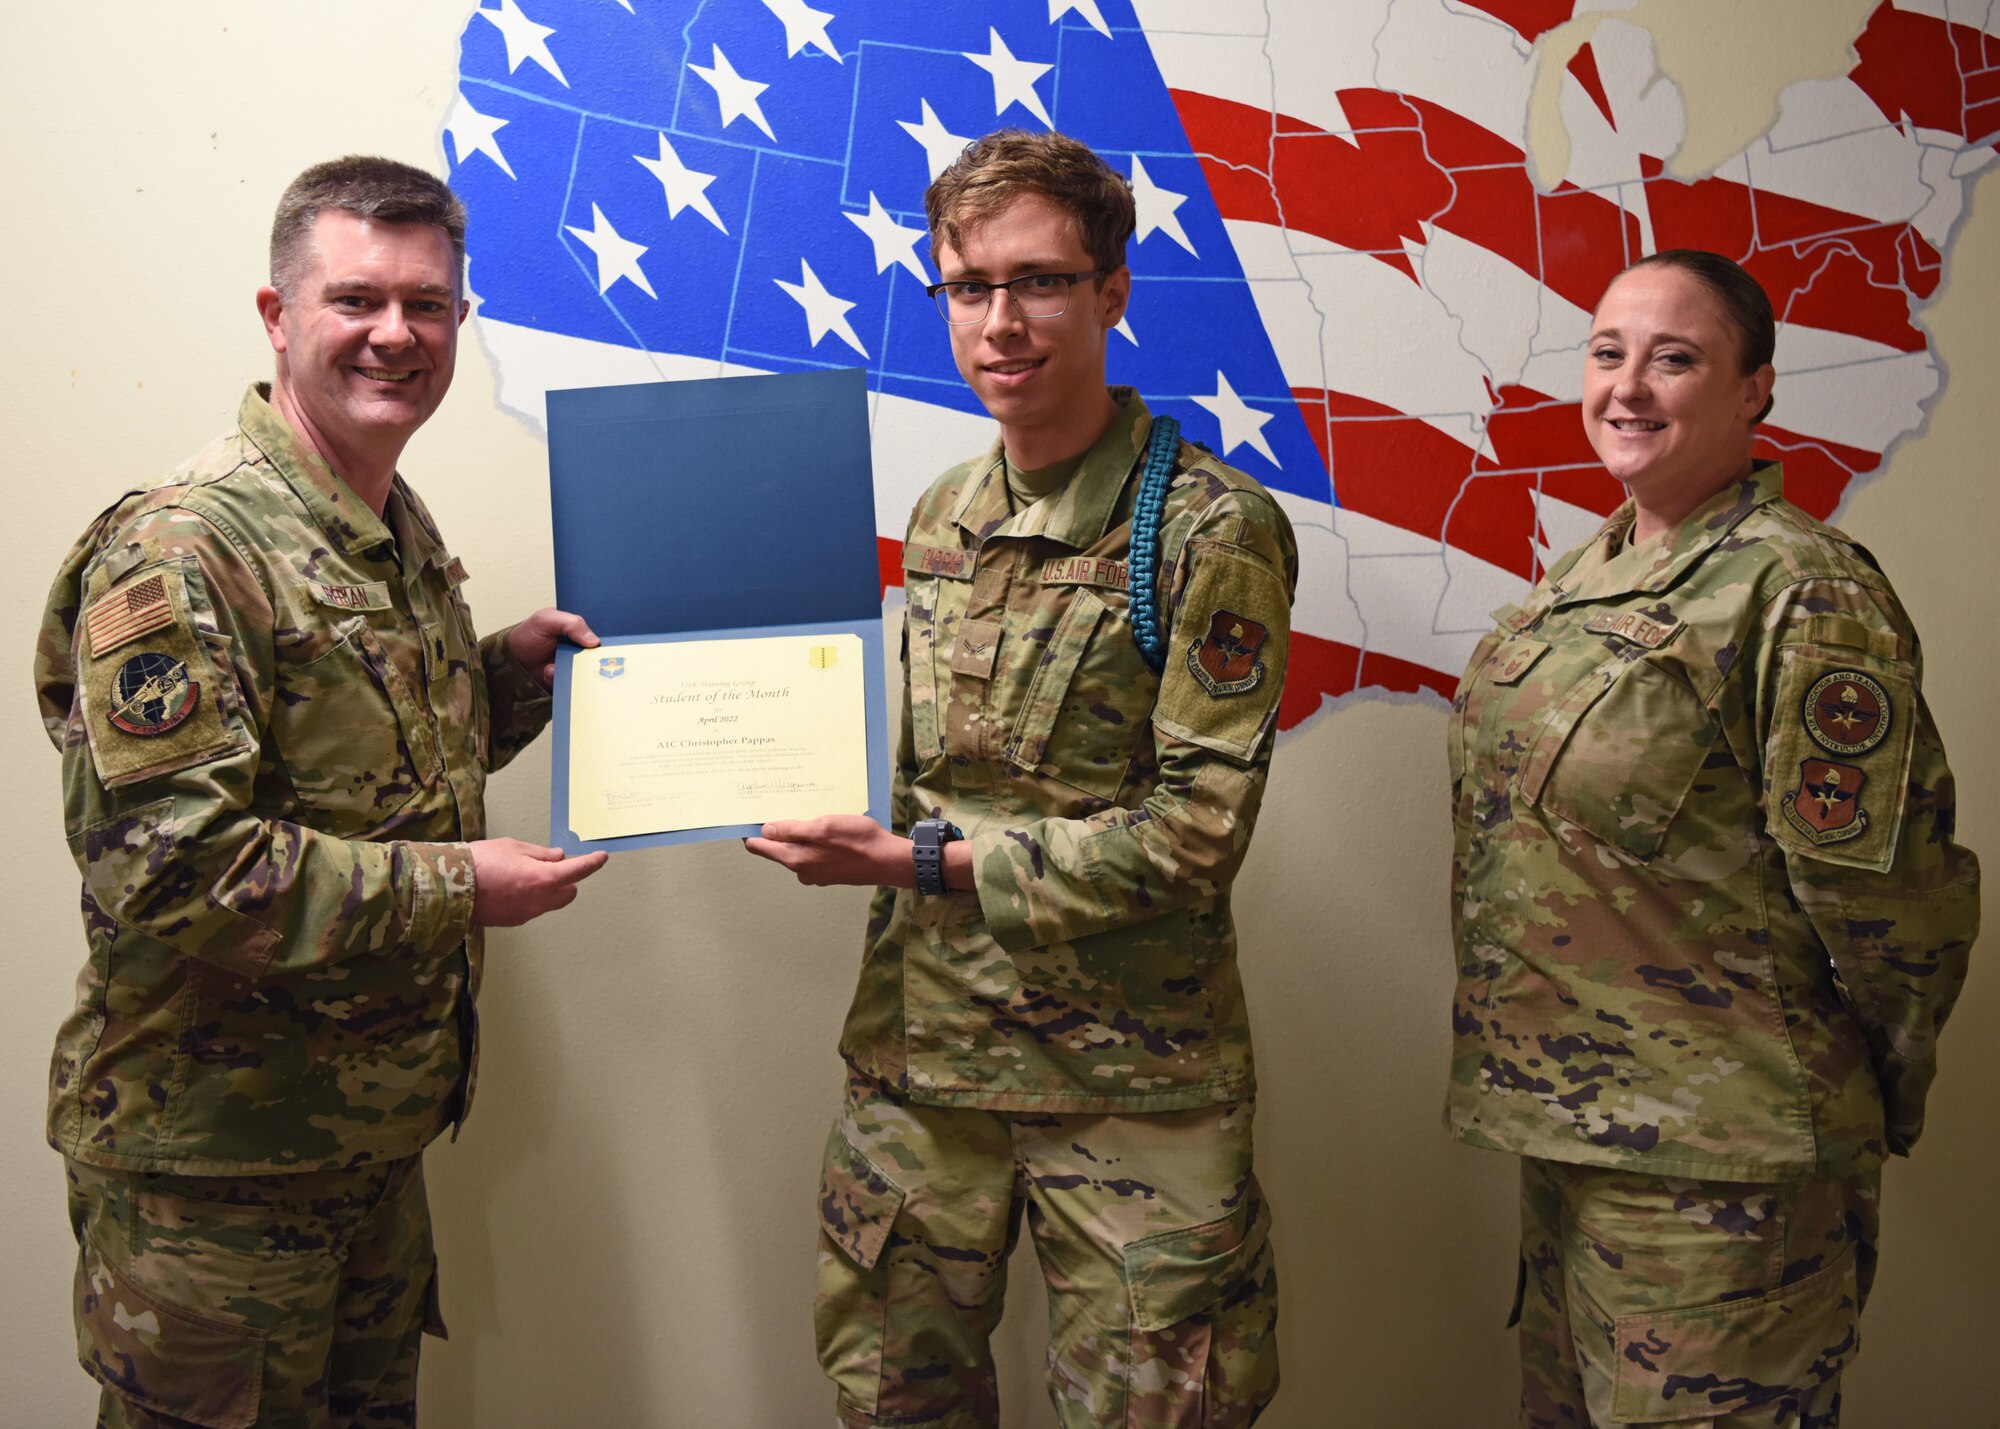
column 927, row 840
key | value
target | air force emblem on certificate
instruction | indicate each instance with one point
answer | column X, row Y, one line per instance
column 610, row 667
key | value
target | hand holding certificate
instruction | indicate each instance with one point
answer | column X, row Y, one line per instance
column 719, row 536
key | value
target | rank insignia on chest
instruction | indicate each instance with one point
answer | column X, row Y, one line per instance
column 610, row 667
column 1225, row 659
column 1515, row 658
column 1826, row 806
column 151, row 694
column 1846, row 712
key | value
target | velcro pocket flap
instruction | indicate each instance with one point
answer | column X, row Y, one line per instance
column 857, row 1203
column 1713, row 1361
column 174, row 1362
column 1176, row 1275
column 1044, row 701
column 1226, row 661
column 1618, row 755
column 1837, row 761
column 152, row 701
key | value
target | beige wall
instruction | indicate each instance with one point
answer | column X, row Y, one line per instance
column 626, row 1226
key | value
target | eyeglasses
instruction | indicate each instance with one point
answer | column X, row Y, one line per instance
column 1036, row 295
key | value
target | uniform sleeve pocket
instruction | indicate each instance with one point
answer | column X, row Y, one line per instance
column 1837, row 761
column 1177, row 1275
column 1619, row 753
column 1741, row 1355
column 1226, row 657
column 151, row 1354
column 153, row 700
column 857, row 1203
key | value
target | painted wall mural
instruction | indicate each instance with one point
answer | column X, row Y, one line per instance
column 1347, row 280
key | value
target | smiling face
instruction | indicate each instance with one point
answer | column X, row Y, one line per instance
column 1666, row 404
column 366, row 340
column 1042, row 379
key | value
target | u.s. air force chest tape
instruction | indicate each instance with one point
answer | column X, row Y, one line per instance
column 1226, row 659
column 152, row 700
column 1843, row 724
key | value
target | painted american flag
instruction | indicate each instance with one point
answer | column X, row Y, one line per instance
column 1346, row 280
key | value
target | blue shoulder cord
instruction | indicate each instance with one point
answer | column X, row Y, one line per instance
column 1162, row 446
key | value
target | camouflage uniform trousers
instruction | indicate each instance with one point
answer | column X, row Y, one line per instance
column 1652, row 1300
column 293, row 1301
column 1154, row 1243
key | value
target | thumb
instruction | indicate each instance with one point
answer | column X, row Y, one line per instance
column 575, row 870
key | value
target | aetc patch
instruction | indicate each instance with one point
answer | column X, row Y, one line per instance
column 151, row 694
column 1846, row 712
column 1826, row 807
column 1225, row 660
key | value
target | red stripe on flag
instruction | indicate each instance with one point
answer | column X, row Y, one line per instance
column 1408, row 163
column 1318, row 670
column 1930, row 69
column 1583, row 64
column 1822, row 268
column 1530, row 19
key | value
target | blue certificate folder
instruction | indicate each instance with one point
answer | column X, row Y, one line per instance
column 714, row 509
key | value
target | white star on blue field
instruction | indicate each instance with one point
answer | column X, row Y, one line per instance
column 742, row 181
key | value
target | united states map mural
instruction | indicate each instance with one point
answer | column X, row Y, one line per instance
column 1345, row 278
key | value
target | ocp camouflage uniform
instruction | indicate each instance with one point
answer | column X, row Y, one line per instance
column 276, row 722
column 1709, row 918
column 1070, row 1037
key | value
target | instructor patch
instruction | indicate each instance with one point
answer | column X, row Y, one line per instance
column 1225, row 659
column 1826, row 806
column 1847, row 713
column 151, row 694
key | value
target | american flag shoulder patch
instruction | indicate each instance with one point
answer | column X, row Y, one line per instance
column 128, row 613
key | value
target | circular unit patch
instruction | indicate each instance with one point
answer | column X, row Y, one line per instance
column 151, row 694
column 1846, row 712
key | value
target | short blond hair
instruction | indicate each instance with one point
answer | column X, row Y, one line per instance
column 996, row 170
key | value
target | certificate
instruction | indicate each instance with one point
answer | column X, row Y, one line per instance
column 691, row 734
column 719, row 535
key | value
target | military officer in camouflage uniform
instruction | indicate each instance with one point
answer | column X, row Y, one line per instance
column 1710, row 916
column 1049, row 1016
column 276, row 723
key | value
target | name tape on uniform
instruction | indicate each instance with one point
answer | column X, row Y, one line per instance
column 937, row 561
column 369, row 595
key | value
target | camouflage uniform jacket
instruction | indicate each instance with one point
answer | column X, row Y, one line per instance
column 276, row 723
column 1109, row 808
column 1708, row 910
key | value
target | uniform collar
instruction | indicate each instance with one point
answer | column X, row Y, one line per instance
column 1079, row 512
column 343, row 515
column 1608, row 567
